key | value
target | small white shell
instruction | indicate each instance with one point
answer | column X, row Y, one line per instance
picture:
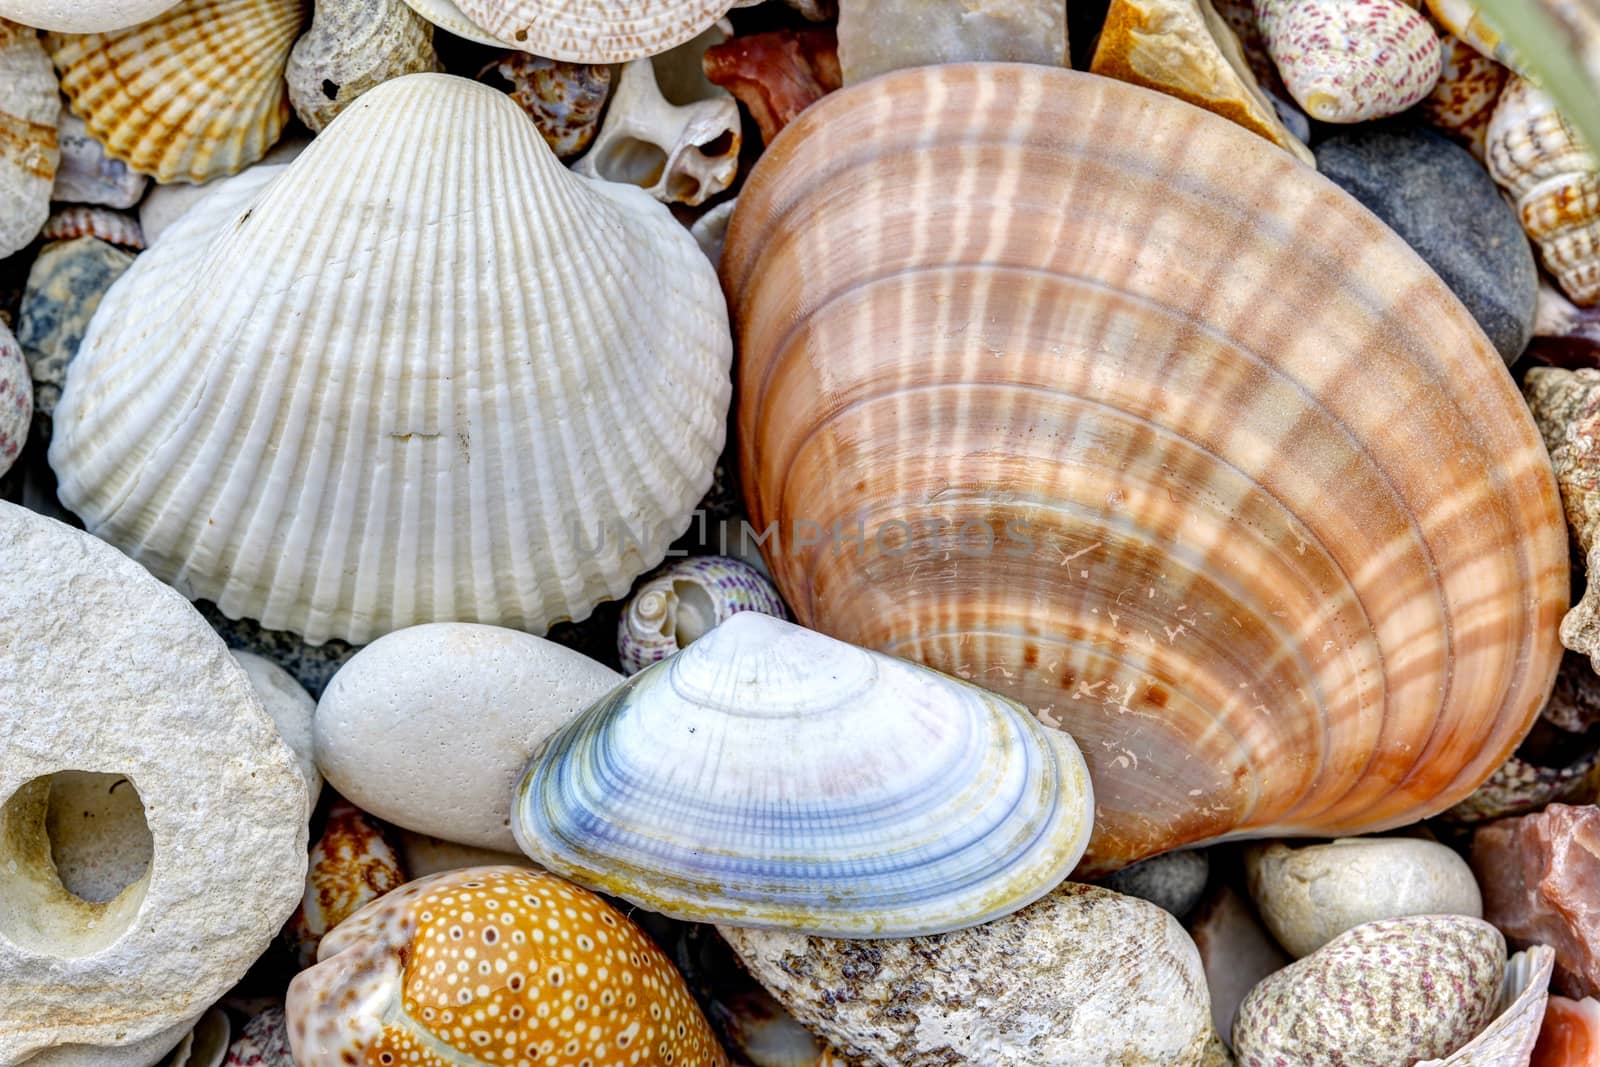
column 514, row 455
column 677, row 153
column 1509, row 1040
column 1537, row 157
column 768, row 776
column 28, row 154
column 685, row 600
column 87, row 175
column 83, row 16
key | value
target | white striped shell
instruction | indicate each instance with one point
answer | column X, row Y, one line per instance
column 1534, row 153
column 1509, row 1040
column 28, row 152
column 86, row 220
column 771, row 777
column 594, row 31
column 423, row 374
column 188, row 96
column 686, row 600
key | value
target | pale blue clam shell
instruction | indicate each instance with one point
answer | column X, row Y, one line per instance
column 769, row 776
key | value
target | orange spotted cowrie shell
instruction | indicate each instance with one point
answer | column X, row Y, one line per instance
column 1351, row 60
column 494, row 967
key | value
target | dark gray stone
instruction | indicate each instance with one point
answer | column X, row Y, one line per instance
column 1441, row 200
column 1173, row 880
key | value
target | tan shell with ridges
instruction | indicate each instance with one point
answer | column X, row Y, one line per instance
column 188, row 96
column 594, row 31
column 1166, row 437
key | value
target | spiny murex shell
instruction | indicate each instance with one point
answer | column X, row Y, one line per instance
column 768, row 776
column 594, row 31
column 28, row 150
column 1249, row 506
column 1082, row 978
column 461, row 382
column 195, row 93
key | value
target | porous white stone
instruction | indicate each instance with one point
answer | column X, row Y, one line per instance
column 430, row 727
column 106, row 671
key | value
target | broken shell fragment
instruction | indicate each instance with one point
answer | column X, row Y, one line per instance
column 684, row 601
column 195, row 93
column 1351, row 60
column 87, row 175
column 677, row 153
column 565, row 100
column 776, row 75
column 538, row 953
column 769, row 776
column 29, row 108
column 65, row 287
column 353, row 45
column 1071, row 573
column 70, row 221
column 1182, row 48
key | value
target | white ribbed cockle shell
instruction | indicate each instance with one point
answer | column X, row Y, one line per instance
column 424, row 373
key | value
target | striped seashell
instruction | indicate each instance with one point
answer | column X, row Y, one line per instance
column 1351, row 60
column 684, row 601
column 188, row 96
column 594, row 31
column 1464, row 21
column 353, row 45
column 1384, row 993
column 28, row 151
column 1510, row 1039
column 1462, row 103
column 83, row 220
column 771, row 777
column 455, row 481
column 16, row 399
column 1539, row 159
column 351, row 865
column 1108, row 461
column 565, row 977
column 83, row 16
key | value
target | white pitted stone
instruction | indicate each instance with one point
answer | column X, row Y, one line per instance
column 292, row 708
column 430, row 727
column 105, row 671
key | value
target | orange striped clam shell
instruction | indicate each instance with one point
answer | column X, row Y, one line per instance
column 1160, row 433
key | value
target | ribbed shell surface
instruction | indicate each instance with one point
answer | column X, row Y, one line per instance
column 594, row 31
column 1257, row 514
column 423, row 374
column 195, row 93
column 448, row 17
column 767, row 776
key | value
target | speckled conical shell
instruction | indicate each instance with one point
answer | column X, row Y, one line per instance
column 28, row 150
column 685, row 600
column 1246, row 503
column 553, row 974
column 335, row 399
column 1083, row 978
column 351, row 46
column 1351, row 60
column 195, row 93
column 1537, row 157
column 594, row 31
column 769, row 776
column 1381, row 994
column 1509, row 1040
